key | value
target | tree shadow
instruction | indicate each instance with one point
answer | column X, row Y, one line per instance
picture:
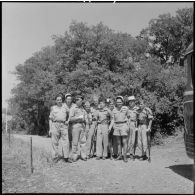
column 187, row 171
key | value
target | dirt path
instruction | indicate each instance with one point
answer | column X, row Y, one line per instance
column 170, row 171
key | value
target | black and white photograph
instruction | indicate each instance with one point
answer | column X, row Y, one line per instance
column 97, row 97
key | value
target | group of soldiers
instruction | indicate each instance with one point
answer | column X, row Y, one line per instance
column 106, row 128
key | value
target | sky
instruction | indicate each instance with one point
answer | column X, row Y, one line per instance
column 28, row 27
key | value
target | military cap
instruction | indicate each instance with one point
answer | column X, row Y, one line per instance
column 79, row 96
column 131, row 98
column 68, row 95
column 120, row 97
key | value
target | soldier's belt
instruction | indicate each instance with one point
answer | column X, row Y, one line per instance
column 120, row 122
column 142, row 123
column 58, row 121
column 103, row 122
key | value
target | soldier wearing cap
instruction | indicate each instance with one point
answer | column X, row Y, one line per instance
column 78, row 120
column 111, row 138
column 90, row 145
column 104, row 117
column 145, row 118
column 59, row 130
column 121, row 128
column 69, row 104
column 132, row 126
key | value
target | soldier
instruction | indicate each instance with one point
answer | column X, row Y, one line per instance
column 145, row 118
column 104, row 116
column 89, row 116
column 78, row 120
column 111, row 138
column 90, row 145
column 69, row 104
column 121, row 128
column 132, row 126
column 59, row 130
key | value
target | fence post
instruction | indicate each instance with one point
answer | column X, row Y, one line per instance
column 31, row 156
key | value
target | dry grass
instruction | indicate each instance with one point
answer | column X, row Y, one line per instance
column 19, row 152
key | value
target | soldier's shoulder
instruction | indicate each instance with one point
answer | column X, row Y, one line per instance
column 125, row 108
column 53, row 107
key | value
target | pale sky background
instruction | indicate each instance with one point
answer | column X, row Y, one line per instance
column 27, row 27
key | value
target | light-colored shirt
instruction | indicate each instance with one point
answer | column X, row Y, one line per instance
column 133, row 113
column 104, row 115
column 145, row 115
column 121, row 115
column 58, row 113
column 78, row 112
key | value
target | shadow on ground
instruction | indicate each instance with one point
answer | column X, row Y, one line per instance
column 187, row 171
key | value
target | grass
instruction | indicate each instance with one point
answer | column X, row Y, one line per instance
column 19, row 152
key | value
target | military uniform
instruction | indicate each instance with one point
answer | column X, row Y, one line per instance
column 59, row 129
column 70, row 126
column 132, row 129
column 92, row 118
column 143, row 118
column 78, row 131
column 121, row 127
column 103, row 119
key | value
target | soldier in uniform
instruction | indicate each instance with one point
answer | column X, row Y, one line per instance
column 145, row 118
column 78, row 120
column 111, row 138
column 59, row 130
column 89, row 117
column 104, row 116
column 69, row 104
column 132, row 126
column 90, row 146
column 121, row 128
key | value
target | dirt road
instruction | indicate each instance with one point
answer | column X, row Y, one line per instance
column 170, row 171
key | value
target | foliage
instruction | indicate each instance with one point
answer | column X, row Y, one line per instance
column 168, row 36
column 97, row 60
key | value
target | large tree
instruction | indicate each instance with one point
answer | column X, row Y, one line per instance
column 168, row 36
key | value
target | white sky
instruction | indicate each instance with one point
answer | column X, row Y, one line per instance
column 27, row 27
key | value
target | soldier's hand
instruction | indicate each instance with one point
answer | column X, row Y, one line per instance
column 66, row 123
column 49, row 132
column 148, row 130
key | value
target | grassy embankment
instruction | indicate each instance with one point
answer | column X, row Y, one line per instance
column 19, row 153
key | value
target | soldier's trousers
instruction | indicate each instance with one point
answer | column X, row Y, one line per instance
column 131, row 137
column 59, row 131
column 78, row 138
column 90, row 137
column 102, row 140
column 142, row 138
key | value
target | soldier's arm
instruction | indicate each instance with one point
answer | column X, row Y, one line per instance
column 111, row 120
column 51, row 117
column 150, row 118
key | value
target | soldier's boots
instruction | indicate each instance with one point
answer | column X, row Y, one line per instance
column 132, row 156
column 119, row 157
column 125, row 158
column 144, row 157
column 103, row 158
column 68, row 160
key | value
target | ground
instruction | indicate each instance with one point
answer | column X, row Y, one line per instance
column 170, row 171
